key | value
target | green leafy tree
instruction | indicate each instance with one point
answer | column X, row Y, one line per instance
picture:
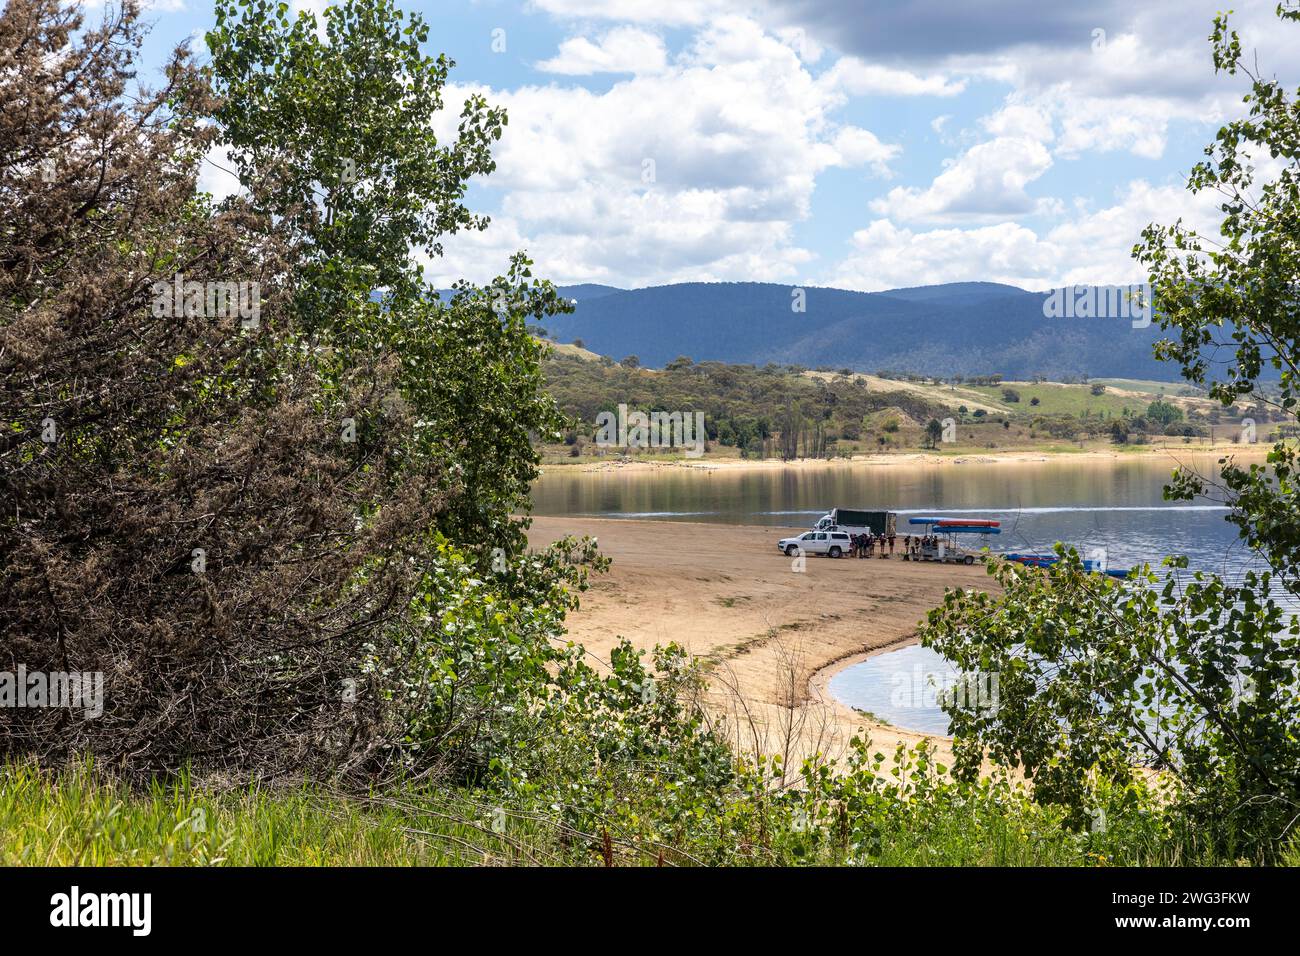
column 1188, row 673
column 334, row 134
column 1164, row 413
column 335, row 137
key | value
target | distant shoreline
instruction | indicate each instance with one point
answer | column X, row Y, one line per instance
column 1171, row 451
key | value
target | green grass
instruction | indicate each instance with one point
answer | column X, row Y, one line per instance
column 1054, row 399
column 1177, row 389
column 78, row 817
column 81, row 817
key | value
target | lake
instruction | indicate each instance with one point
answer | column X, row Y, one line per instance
column 1117, row 504
column 1113, row 504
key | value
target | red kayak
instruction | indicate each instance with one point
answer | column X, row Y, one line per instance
column 967, row 523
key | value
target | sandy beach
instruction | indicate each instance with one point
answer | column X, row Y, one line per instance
column 1173, row 452
column 771, row 637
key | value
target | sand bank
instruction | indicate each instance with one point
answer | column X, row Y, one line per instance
column 1173, row 452
column 771, row 637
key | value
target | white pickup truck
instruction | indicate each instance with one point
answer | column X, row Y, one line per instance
column 834, row 544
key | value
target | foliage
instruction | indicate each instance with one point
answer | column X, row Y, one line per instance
column 180, row 514
column 329, row 127
column 1193, row 675
column 1163, row 413
column 248, row 527
column 741, row 403
column 334, row 136
column 866, row 813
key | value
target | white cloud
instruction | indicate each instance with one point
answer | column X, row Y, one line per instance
column 669, row 12
column 622, row 50
column 739, row 131
column 1118, row 97
column 1020, row 121
column 1094, row 247
column 699, row 171
column 985, row 183
column 860, row 147
column 797, row 38
column 886, row 256
column 857, row 78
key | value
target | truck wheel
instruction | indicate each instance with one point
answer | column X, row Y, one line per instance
column 969, row 559
column 836, row 552
column 791, row 550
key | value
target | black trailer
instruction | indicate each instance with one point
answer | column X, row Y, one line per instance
column 877, row 522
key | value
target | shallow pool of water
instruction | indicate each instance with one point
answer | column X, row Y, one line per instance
column 898, row 687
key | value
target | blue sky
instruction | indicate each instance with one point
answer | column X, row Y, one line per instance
column 863, row 145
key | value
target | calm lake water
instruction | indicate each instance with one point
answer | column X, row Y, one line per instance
column 1117, row 505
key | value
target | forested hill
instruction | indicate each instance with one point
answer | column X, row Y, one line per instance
column 965, row 328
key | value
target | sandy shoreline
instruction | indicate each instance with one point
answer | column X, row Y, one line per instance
column 1171, row 452
column 771, row 638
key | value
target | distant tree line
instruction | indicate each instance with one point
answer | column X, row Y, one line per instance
column 761, row 410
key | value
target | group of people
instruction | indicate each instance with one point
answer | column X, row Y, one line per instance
column 914, row 544
column 870, row 544
column 882, row 545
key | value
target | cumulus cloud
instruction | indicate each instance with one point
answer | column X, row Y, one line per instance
column 622, row 50
column 1093, row 247
column 887, row 256
column 669, row 12
column 697, row 171
column 857, row 78
column 701, row 159
column 987, row 182
column 861, row 147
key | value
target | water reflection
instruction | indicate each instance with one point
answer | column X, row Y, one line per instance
column 1116, row 504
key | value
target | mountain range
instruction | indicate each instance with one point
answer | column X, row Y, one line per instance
column 960, row 328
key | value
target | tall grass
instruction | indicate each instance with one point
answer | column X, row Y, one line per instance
column 80, row 817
